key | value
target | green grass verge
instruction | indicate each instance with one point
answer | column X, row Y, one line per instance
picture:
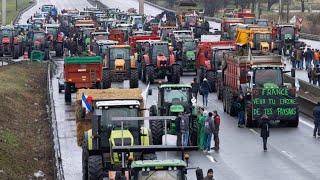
column 11, row 9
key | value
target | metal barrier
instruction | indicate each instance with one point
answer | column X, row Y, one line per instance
column 309, row 36
column 16, row 19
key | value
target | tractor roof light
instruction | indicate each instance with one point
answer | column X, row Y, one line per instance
column 130, row 158
column 186, row 156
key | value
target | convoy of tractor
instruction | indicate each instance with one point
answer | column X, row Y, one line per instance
column 101, row 46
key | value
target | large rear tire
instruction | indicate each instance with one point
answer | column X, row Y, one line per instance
column 248, row 115
column 67, row 92
column 106, row 79
column 176, row 74
column 95, row 168
column 85, row 157
column 293, row 123
column 59, row 50
column 224, row 100
column 16, row 52
column 181, row 67
column 157, row 129
column 219, row 86
column 211, row 80
column 150, row 74
column 200, row 74
column 139, row 67
column 134, row 78
column 47, row 52
column 194, row 132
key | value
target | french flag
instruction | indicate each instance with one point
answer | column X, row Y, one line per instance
column 86, row 101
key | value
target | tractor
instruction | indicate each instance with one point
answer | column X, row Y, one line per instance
column 186, row 55
column 174, row 99
column 56, row 38
column 38, row 40
column 98, row 158
column 9, row 42
column 118, row 65
column 100, row 47
column 159, row 62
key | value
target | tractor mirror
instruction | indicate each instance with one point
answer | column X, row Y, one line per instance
column 149, row 92
column 206, row 54
column 199, row 174
column 83, row 111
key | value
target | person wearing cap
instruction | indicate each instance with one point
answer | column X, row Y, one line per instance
column 316, row 116
column 265, row 130
column 184, row 126
column 209, row 175
column 204, row 90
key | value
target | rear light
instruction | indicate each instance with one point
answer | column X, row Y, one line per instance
column 69, row 80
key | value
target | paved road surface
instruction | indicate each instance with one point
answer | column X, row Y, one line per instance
column 293, row 153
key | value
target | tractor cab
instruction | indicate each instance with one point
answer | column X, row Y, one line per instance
column 113, row 10
column 52, row 30
column 126, row 29
column 159, row 54
column 137, row 22
column 118, row 58
column 38, row 39
column 165, row 32
column 100, row 46
column 6, row 35
column 47, row 8
column 99, row 35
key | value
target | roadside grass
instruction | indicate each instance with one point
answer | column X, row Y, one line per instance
column 11, row 9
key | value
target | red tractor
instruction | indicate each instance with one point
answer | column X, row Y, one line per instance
column 159, row 62
column 56, row 38
column 9, row 42
column 208, row 60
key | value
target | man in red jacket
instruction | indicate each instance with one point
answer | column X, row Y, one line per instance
column 216, row 130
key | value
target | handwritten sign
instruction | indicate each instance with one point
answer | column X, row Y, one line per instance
column 278, row 104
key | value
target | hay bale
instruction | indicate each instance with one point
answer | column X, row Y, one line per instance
column 101, row 94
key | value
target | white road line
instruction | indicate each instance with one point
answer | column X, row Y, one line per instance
column 287, row 154
column 252, row 130
column 307, row 123
column 211, row 158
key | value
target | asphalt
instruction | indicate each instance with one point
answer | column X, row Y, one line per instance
column 292, row 152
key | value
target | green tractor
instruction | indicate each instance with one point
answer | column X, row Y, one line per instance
column 98, row 159
column 187, row 55
column 174, row 99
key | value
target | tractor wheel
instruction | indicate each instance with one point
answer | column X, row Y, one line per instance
column 248, row 115
column 139, row 70
column 67, row 92
column 98, row 85
column 47, row 51
column 16, row 52
column 153, row 110
column 85, row 157
column 106, row 79
column 143, row 73
column 29, row 52
column 95, row 168
column 293, row 123
column 219, row 86
column 157, row 129
column 59, row 50
column 181, row 67
column 194, row 132
column 233, row 111
column 224, row 100
column 150, row 74
column 200, row 74
column 176, row 73
column 1, row 55
column 134, row 78
column 211, row 80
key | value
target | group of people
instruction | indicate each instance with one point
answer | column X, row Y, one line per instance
column 202, row 88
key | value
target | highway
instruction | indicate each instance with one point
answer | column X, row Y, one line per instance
column 292, row 152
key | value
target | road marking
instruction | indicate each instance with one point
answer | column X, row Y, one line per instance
column 211, row 158
column 287, row 154
column 252, row 130
column 307, row 123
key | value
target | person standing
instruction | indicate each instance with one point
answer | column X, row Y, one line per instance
column 178, row 129
column 205, row 91
column 318, row 73
column 265, row 130
column 299, row 58
column 308, row 57
column 240, row 104
column 201, row 119
column 184, row 125
column 316, row 58
column 208, row 130
column 310, row 73
column 216, row 128
column 314, row 75
column 316, row 116
column 209, row 175
column 195, row 88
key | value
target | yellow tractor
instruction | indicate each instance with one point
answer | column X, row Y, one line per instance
column 118, row 66
column 257, row 37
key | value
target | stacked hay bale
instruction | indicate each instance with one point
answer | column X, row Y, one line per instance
column 101, row 94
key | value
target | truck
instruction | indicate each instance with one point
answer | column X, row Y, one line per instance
column 82, row 72
column 258, row 77
column 208, row 60
column 228, row 27
column 172, row 100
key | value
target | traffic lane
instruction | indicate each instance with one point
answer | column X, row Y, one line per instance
column 26, row 15
column 313, row 44
column 64, row 4
column 125, row 5
column 65, row 113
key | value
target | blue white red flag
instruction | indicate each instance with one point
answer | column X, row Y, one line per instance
column 86, row 101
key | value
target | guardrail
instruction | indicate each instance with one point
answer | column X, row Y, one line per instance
column 32, row 3
column 309, row 36
column 4, row 61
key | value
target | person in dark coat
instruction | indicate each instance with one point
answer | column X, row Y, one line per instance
column 240, row 106
column 209, row 175
column 316, row 115
column 205, row 88
column 265, row 130
column 178, row 129
column 195, row 88
column 308, row 57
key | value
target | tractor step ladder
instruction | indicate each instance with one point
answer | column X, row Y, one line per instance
column 93, row 76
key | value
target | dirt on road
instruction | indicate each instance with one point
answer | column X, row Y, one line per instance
column 25, row 134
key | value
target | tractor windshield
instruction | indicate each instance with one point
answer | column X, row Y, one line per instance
column 287, row 32
column 6, row 32
column 176, row 96
column 120, row 53
column 39, row 37
column 191, row 19
column 249, row 21
column 263, row 76
column 159, row 175
column 218, row 57
column 189, row 46
column 262, row 37
column 138, row 20
column 46, row 8
column 160, row 48
column 52, row 31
